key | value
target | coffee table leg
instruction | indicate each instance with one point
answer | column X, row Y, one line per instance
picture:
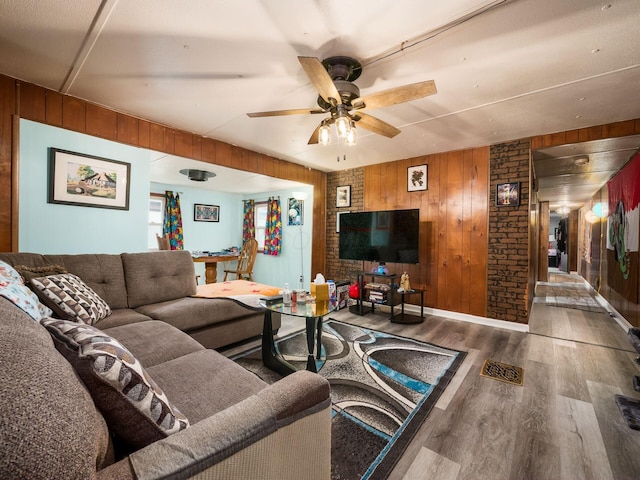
column 319, row 340
column 270, row 357
column 311, row 328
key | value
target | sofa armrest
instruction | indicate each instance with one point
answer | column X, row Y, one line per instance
column 272, row 430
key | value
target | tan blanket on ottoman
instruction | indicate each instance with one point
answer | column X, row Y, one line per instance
column 242, row 291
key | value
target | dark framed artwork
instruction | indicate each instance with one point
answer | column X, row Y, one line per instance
column 417, row 178
column 343, row 196
column 88, row 181
column 206, row 213
column 295, row 211
column 508, row 194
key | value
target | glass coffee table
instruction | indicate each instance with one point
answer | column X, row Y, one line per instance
column 313, row 314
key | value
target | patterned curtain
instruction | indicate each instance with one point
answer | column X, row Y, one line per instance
column 173, row 220
column 273, row 232
column 248, row 223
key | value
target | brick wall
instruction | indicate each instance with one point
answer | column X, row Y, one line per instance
column 342, row 269
column 508, row 262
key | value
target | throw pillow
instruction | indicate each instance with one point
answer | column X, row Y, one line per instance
column 135, row 407
column 28, row 273
column 71, row 298
column 12, row 288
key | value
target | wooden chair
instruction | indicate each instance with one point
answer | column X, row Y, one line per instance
column 245, row 261
column 163, row 242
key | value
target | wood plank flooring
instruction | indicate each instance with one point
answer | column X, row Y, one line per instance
column 563, row 423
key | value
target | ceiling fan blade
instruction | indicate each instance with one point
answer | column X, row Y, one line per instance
column 313, row 139
column 277, row 113
column 396, row 95
column 375, row 125
column 320, row 79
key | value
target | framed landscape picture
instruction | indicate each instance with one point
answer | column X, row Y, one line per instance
column 206, row 213
column 87, row 180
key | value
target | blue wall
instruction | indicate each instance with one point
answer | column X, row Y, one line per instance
column 53, row 228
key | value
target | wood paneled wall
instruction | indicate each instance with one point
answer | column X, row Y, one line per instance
column 36, row 103
column 453, row 224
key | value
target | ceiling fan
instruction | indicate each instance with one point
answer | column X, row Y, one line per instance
column 341, row 98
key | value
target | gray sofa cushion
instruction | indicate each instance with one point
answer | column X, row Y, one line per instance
column 102, row 272
column 122, row 316
column 168, row 342
column 34, row 442
column 137, row 410
column 203, row 383
column 153, row 277
column 189, row 313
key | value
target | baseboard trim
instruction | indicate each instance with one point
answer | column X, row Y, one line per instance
column 465, row 317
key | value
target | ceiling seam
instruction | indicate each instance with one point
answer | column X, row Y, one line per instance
column 90, row 39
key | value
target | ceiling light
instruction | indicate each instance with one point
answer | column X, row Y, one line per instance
column 581, row 161
column 351, row 137
column 324, row 134
column 563, row 210
column 197, row 175
column 343, row 125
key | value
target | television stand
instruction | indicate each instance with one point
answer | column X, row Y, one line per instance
column 380, row 291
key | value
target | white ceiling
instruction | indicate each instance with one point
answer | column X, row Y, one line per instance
column 504, row 69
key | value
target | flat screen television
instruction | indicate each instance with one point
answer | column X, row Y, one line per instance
column 382, row 236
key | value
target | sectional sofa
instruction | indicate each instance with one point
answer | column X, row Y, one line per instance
column 142, row 399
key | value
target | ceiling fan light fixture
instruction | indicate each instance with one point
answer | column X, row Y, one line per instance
column 324, row 134
column 352, row 136
column 343, row 125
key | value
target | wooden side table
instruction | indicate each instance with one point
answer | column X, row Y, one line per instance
column 406, row 317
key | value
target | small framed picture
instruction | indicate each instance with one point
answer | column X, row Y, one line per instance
column 343, row 196
column 508, row 194
column 206, row 213
column 295, row 211
column 417, row 178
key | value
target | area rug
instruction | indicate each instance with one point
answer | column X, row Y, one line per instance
column 382, row 389
column 569, row 296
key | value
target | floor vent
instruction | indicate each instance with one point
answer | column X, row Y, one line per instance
column 503, row 372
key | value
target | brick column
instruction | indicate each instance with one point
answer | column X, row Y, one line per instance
column 508, row 255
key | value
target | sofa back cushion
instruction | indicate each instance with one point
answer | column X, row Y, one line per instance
column 154, row 277
column 102, row 272
column 49, row 426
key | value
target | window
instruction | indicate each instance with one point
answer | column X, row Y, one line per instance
column 156, row 219
column 260, row 221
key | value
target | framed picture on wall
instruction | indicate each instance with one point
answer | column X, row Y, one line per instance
column 417, row 178
column 343, row 196
column 508, row 194
column 206, row 213
column 295, row 211
column 88, row 181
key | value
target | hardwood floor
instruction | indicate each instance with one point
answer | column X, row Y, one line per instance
column 563, row 423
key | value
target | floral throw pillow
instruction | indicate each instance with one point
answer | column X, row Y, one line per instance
column 71, row 298
column 12, row 288
column 135, row 407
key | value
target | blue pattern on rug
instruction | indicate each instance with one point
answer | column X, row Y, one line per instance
column 383, row 387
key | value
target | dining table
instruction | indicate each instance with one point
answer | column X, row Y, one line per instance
column 211, row 263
